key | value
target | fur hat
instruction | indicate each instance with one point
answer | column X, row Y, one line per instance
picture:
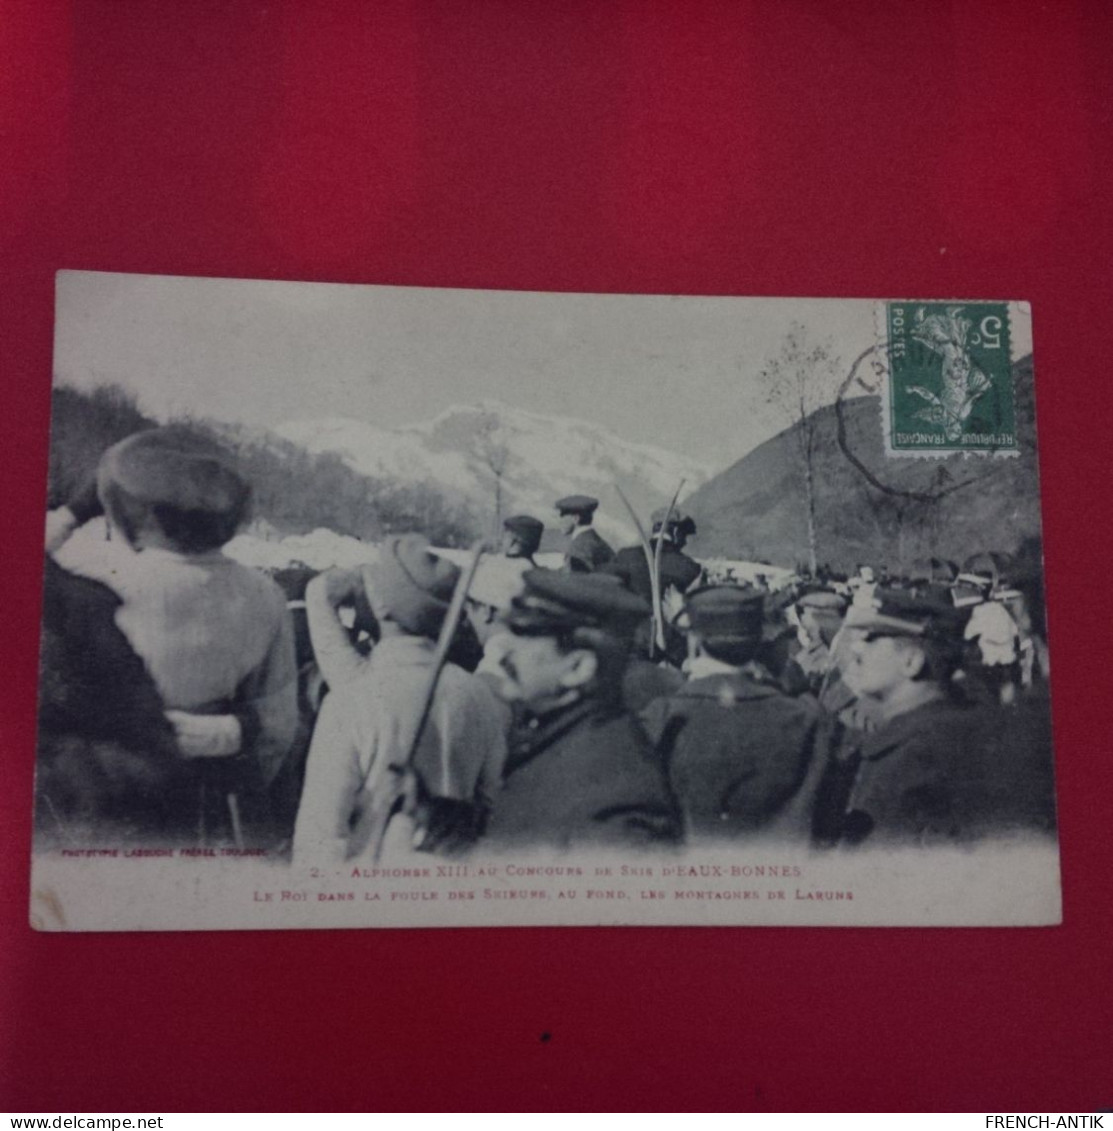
column 185, row 481
column 174, row 467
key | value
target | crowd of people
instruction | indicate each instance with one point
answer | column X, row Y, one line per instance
column 626, row 699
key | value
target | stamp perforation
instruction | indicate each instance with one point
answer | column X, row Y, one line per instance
column 943, row 360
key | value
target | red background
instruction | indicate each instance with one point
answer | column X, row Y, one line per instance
column 849, row 149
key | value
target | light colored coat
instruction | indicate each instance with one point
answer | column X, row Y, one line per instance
column 368, row 724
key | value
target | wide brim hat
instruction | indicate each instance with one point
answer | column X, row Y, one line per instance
column 412, row 584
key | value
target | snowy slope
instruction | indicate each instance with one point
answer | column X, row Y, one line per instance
column 463, row 450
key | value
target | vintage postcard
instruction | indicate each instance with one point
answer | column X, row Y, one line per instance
column 389, row 607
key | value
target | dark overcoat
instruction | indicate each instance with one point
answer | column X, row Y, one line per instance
column 587, row 552
column 107, row 762
column 677, row 570
column 583, row 776
column 736, row 751
column 951, row 771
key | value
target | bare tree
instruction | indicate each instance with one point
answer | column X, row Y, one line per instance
column 495, row 454
column 802, row 378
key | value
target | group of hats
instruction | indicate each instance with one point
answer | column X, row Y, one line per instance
column 178, row 468
column 554, row 602
column 897, row 612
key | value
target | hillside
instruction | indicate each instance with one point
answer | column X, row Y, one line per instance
column 756, row 508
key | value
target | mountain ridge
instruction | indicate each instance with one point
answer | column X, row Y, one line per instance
column 495, row 456
column 755, row 508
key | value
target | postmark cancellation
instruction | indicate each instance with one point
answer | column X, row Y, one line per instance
column 949, row 383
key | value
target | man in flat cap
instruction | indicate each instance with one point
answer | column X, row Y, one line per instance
column 367, row 725
column 736, row 748
column 214, row 635
column 580, row 771
column 936, row 768
column 586, row 551
column 521, row 537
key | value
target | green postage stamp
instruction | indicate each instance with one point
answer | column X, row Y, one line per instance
column 950, row 383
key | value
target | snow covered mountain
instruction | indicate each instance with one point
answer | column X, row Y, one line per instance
column 494, row 456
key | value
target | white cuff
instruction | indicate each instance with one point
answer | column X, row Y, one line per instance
column 206, row 736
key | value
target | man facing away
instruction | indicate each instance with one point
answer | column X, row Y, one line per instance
column 736, row 748
column 580, row 771
column 586, row 551
column 367, row 726
column 521, row 538
column 499, row 578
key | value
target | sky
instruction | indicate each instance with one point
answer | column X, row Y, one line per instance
column 677, row 372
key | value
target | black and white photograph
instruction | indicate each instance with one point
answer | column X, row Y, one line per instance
column 374, row 606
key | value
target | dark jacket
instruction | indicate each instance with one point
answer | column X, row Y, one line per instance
column 677, row 570
column 947, row 771
column 736, row 751
column 587, row 552
column 107, row 764
column 583, row 776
